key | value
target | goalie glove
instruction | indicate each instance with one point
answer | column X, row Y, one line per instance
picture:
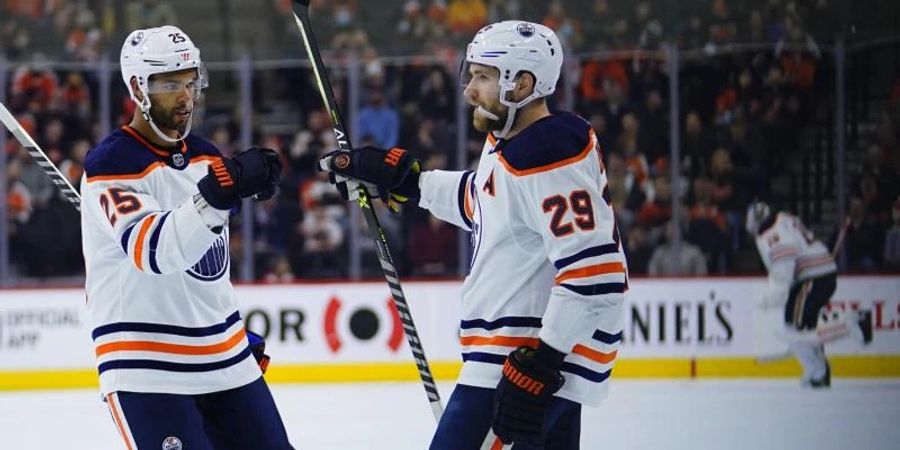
column 392, row 174
column 528, row 381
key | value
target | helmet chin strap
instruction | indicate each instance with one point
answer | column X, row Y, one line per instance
column 505, row 87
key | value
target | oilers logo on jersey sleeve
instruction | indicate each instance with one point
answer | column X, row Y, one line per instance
column 214, row 263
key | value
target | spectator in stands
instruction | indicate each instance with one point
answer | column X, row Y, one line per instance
column 415, row 26
column 310, row 143
column 666, row 262
column 500, row 10
column 279, row 271
column 465, row 17
column 76, row 96
column 567, row 28
column 657, row 211
column 892, row 239
column 379, row 120
column 149, row 13
column 436, row 95
column 599, row 25
column 34, row 87
column 84, row 37
column 632, row 143
column 722, row 26
column 322, row 240
column 433, row 246
column 864, row 242
column 625, row 192
column 707, row 226
column 638, row 250
column 696, row 146
column 654, row 126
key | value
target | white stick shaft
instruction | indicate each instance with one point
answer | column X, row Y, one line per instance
column 60, row 180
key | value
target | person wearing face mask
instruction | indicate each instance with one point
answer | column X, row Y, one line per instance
column 542, row 305
column 177, row 368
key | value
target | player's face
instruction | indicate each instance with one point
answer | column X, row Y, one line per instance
column 483, row 90
column 172, row 99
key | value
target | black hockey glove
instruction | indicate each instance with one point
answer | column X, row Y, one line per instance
column 251, row 172
column 393, row 172
column 529, row 379
column 258, row 347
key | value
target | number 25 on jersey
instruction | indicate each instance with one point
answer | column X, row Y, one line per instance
column 117, row 201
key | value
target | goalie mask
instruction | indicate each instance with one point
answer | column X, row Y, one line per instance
column 155, row 51
column 514, row 47
column 757, row 213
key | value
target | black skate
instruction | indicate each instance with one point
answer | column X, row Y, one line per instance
column 865, row 324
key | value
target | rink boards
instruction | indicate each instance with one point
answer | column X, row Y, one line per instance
column 673, row 328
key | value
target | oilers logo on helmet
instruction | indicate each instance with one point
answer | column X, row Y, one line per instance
column 137, row 39
column 525, row 29
column 214, row 264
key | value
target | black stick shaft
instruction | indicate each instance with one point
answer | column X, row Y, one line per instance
column 301, row 14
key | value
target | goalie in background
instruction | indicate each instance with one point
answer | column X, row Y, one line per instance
column 802, row 279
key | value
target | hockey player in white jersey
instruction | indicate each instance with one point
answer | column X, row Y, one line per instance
column 177, row 368
column 542, row 304
column 802, row 279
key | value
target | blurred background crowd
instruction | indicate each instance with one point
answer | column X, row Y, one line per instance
column 760, row 87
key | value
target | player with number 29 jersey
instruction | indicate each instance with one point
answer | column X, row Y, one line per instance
column 541, row 222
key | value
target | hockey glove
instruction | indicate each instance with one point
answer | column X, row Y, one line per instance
column 258, row 347
column 252, row 172
column 529, row 379
column 393, row 172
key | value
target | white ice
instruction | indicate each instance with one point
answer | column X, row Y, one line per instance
column 653, row 415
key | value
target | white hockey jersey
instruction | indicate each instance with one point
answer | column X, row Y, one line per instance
column 547, row 262
column 791, row 254
column 158, row 292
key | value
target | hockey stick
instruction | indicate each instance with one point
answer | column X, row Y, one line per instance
column 301, row 15
column 773, row 357
column 42, row 159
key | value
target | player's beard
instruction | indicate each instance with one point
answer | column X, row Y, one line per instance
column 487, row 124
column 167, row 120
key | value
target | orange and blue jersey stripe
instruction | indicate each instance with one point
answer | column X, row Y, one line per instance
column 593, row 271
column 532, row 325
column 142, row 244
column 117, row 351
column 464, row 198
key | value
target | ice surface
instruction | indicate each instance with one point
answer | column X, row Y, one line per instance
column 653, row 415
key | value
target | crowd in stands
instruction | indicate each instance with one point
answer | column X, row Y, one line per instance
column 743, row 115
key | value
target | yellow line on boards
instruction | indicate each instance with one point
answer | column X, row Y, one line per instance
column 629, row 368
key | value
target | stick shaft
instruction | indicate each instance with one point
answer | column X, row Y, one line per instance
column 40, row 157
column 301, row 15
